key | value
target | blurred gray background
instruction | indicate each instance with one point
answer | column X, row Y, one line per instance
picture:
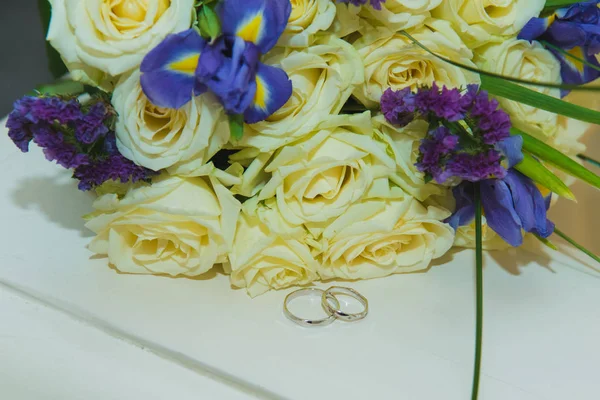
column 23, row 66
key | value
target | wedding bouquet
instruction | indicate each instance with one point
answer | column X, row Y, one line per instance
column 306, row 140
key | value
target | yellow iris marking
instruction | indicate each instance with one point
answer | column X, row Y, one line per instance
column 186, row 65
column 578, row 52
column 251, row 31
column 262, row 94
column 551, row 20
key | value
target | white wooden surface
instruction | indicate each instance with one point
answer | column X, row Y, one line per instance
column 72, row 328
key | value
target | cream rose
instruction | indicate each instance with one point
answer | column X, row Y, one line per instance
column 109, row 37
column 323, row 76
column 568, row 136
column 308, row 18
column 346, row 20
column 392, row 60
column 403, row 144
column 380, row 237
column 465, row 237
column 157, row 138
column 320, row 177
column 529, row 61
column 481, row 21
column 177, row 226
column 399, row 14
column 571, row 131
column 262, row 259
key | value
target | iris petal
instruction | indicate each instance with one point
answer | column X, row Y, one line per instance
column 273, row 90
column 524, row 199
column 566, row 35
column 574, row 72
column 500, row 212
column 512, row 149
column 465, row 207
column 529, row 204
column 258, row 21
column 168, row 71
column 536, row 27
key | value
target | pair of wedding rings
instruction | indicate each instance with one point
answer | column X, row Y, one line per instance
column 330, row 303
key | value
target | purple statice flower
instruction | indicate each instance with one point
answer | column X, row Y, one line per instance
column 476, row 167
column 434, row 150
column 469, row 141
column 56, row 148
column 376, row 4
column 18, row 125
column 473, row 149
column 54, row 108
column 448, row 105
column 401, row 107
column 483, row 105
column 398, row 107
column 29, row 112
column 115, row 167
column 469, row 96
column 493, row 122
column 74, row 136
column 425, row 99
column 91, row 126
column 444, row 104
column 495, row 127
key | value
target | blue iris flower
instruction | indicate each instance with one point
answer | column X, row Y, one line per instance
column 575, row 30
column 511, row 204
column 186, row 65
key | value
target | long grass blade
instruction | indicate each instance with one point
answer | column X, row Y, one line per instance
column 576, row 245
column 550, row 155
column 542, row 101
column 503, row 78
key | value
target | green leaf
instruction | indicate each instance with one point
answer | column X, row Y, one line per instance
column 55, row 64
column 511, row 91
column 61, row 88
column 556, row 158
column 208, row 22
column 542, row 175
column 503, row 78
column 479, row 286
column 236, row 125
column 575, row 244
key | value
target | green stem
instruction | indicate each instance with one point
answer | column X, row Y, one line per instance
column 589, row 160
column 479, row 279
column 577, row 245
